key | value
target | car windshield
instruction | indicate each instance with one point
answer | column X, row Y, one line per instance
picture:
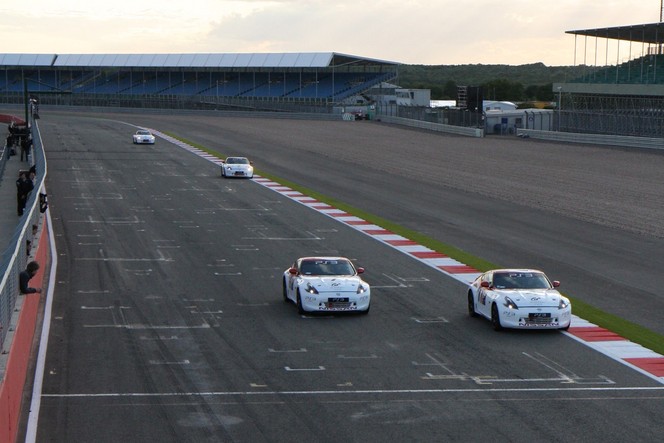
column 143, row 132
column 237, row 161
column 520, row 280
column 326, row 267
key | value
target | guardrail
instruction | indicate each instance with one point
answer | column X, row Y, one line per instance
column 3, row 160
column 214, row 113
column 595, row 139
column 438, row 127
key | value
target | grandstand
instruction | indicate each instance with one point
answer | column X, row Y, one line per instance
column 276, row 81
column 624, row 96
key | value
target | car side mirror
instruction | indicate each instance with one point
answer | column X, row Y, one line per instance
column 360, row 270
column 556, row 283
column 292, row 271
column 485, row 284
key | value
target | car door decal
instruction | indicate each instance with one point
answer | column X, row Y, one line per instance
column 481, row 296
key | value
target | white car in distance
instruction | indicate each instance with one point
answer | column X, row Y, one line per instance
column 237, row 167
column 143, row 137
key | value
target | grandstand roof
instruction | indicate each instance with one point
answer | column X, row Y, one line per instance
column 645, row 33
column 216, row 60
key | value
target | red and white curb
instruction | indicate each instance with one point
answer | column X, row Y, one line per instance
column 639, row 358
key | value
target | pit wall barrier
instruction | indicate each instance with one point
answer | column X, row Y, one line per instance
column 16, row 361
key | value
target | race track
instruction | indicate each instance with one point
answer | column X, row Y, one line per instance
column 168, row 322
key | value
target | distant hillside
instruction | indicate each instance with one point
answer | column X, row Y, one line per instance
column 443, row 79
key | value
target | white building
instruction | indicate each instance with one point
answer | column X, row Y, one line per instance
column 508, row 121
column 492, row 105
column 413, row 97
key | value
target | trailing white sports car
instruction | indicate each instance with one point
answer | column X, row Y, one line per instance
column 143, row 137
column 324, row 284
column 519, row 298
column 237, row 167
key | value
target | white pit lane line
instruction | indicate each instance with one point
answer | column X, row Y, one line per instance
column 633, row 355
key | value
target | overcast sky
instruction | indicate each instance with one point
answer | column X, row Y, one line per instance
column 429, row 32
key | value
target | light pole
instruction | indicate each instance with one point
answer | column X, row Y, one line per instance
column 560, row 95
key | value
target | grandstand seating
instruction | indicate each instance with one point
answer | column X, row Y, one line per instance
column 648, row 69
column 309, row 85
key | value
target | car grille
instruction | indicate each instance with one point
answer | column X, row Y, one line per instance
column 339, row 305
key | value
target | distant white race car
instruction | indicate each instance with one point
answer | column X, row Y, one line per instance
column 237, row 167
column 143, row 137
column 326, row 284
column 519, row 298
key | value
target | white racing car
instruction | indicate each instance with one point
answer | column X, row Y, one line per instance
column 143, row 137
column 237, row 167
column 519, row 298
column 324, row 284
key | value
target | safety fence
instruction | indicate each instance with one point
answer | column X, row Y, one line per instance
column 15, row 257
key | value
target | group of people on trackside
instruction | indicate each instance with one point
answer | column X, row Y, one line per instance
column 25, row 183
column 21, row 136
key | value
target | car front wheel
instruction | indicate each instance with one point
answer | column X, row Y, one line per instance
column 471, row 305
column 285, row 291
column 495, row 318
column 300, row 308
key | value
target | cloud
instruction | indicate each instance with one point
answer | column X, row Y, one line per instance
column 408, row 31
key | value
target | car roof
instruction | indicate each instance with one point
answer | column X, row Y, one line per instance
column 322, row 258
column 516, row 270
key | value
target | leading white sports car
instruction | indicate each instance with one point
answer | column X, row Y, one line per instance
column 323, row 284
column 143, row 137
column 519, row 298
column 237, row 167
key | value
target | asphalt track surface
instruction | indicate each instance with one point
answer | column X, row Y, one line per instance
column 168, row 322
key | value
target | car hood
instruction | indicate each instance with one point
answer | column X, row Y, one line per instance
column 533, row 297
column 333, row 283
column 238, row 166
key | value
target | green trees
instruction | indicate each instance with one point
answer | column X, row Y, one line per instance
column 531, row 82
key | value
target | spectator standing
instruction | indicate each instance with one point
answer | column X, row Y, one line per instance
column 26, row 146
column 25, row 276
column 23, row 189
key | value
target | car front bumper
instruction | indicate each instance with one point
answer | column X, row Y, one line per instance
column 336, row 302
column 238, row 173
column 549, row 318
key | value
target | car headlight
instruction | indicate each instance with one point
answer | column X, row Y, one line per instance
column 361, row 289
column 510, row 303
column 310, row 289
column 563, row 304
